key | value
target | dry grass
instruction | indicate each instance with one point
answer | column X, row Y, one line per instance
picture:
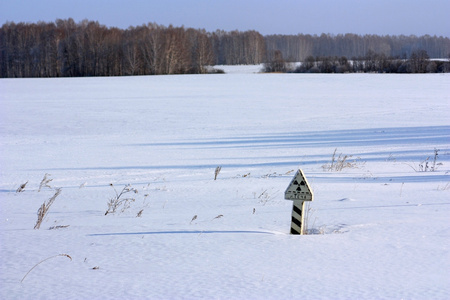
column 340, row 162
column 45, row 182
column 21, row 187
column 43, row 210
column 217, row 171
column 264, row 197
column 58, row 227
column 308, row 213
column 193, row 219
column 426, row 165
column 445, row 187
column 119, row 201
column 218, row 217
column 66, row 255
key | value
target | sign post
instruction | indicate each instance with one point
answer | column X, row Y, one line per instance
column 298, row 191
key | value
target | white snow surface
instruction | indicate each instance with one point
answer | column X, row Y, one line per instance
column 379, row 229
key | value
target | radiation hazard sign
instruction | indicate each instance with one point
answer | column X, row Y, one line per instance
column 299, row 188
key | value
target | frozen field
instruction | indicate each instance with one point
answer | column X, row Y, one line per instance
column 379, row 228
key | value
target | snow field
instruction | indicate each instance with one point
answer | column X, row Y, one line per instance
column 381, row 229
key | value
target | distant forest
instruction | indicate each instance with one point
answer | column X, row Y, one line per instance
column 65, row 48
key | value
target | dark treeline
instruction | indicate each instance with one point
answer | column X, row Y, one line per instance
column 66, row 48
column 418, row 62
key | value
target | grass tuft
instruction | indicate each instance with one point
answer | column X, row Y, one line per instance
column 217, row 171
column 340, row 162
column 426, row 165
column 45, row 182
column 119, row 200
column 43, row 210
column 21, row 187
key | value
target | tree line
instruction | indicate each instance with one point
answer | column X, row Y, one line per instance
column 418, row 62
column 65, row 48
column 296, row 48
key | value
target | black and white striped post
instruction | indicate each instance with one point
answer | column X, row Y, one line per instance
column 298, row 191
column 297, row 217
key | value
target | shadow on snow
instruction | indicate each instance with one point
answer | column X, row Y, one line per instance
column 414, row 137
column 331, row 138
column 184, row 232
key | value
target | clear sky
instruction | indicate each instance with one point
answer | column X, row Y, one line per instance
column 382, row 17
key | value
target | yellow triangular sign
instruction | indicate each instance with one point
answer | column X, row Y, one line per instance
column 299, row 188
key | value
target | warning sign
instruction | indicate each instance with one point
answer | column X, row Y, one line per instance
column 299, row 189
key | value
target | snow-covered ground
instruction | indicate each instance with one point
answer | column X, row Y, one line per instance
column 240, row 69
column 380, row 228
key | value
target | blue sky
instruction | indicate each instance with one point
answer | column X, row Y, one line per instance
column 393, row 17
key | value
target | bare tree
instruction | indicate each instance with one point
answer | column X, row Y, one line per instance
column 418, row 61
column 276, row 64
